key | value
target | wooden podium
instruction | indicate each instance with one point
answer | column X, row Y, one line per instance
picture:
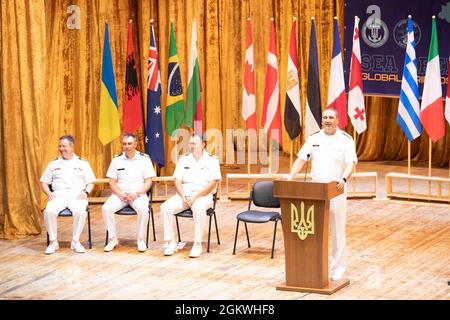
column 305, row 219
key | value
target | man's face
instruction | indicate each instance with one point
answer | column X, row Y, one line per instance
column 65, row 148
column 129, row 145
column 329, row 121
column 195, row 145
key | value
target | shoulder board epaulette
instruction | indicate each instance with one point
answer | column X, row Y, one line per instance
column 55, row 159
column 144, row 154
column 314, row 133
column 212, row 155
column 346, row 134
column 185, row 154
column 118, row 155
column 82, row 159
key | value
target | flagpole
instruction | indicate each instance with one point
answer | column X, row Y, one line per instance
column 270, row 155
column 292, row 154
column 409, row 168
column 354, row 167
column 429, row 166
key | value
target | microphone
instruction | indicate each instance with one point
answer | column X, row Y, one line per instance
column 307, row 161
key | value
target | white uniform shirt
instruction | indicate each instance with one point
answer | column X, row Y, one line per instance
column 195, row 175
column 330, row 154
column 130, row 173
column 62, row 174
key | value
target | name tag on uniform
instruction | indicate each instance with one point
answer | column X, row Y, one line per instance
column 186, row 167
column 315, row 145
column 56, row 169
column 120, row 169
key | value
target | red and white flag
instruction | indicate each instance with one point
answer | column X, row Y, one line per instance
column 356, row 109
column 271, row 118
column 432, row 107
column 248, row 92
column 336, row 88
column 447, row 99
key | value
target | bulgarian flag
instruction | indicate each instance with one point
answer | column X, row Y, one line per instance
column 194, row 101
column 432, row 108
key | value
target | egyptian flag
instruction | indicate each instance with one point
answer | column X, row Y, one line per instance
column 292, row 113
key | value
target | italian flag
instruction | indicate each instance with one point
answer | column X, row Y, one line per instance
column 194, row 116
column 432, row 108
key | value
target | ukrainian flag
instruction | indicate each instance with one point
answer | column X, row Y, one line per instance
column 109, row 124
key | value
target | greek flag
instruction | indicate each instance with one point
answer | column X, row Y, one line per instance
column 408, row 107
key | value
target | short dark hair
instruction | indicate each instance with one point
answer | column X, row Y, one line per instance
column 68, row 138
column 128, row 135
column 334, row 110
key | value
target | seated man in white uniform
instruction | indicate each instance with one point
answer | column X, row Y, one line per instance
column 130, row 177
column 197, row 175
column 333, row 157
column 71, row 180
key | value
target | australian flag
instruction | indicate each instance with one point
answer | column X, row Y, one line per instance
column 154, row 138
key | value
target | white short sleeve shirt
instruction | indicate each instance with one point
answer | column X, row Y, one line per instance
column 131, row 173
column 329, row 154
column 195, row 175
column 74, row 173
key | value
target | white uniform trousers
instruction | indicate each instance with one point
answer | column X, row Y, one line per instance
column 66, row 198
column 175, row 205
column 113, row 204
column 338, row 212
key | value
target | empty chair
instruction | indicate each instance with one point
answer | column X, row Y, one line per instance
column 261, row 196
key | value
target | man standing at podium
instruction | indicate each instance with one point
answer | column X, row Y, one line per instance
column 333, row 155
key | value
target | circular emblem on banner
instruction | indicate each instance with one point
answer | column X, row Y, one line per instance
column 375, row 32
column 400, row 33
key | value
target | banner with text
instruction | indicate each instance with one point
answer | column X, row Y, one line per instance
column 383, row 40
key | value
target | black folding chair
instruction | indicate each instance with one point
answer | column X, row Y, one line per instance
column 261, row 196
column 211, row 212
column 129, row 211
column 67, row 213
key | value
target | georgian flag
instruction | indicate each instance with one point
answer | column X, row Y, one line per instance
column 356, row 109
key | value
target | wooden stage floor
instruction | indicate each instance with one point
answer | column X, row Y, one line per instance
column 395, row 250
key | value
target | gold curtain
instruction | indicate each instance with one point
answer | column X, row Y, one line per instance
column 50, row 80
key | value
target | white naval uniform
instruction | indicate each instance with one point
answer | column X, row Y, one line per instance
column 68, row 179
column 130, row 175
column 194, row 176
column 330, row 154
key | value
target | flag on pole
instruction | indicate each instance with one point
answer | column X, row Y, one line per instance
column 292, row 113
column 132, row 112
column 408, row 106
column 194, row 99
column 356, row 109
column 109, row 123
column 336, row 88
column 248, row 92
column 447, row 99
column 154, row 138
column 175, row 103
column 313, row 114
column 432, row 108
column 271, row 118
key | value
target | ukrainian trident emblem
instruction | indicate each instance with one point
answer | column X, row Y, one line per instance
column 302, row 225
